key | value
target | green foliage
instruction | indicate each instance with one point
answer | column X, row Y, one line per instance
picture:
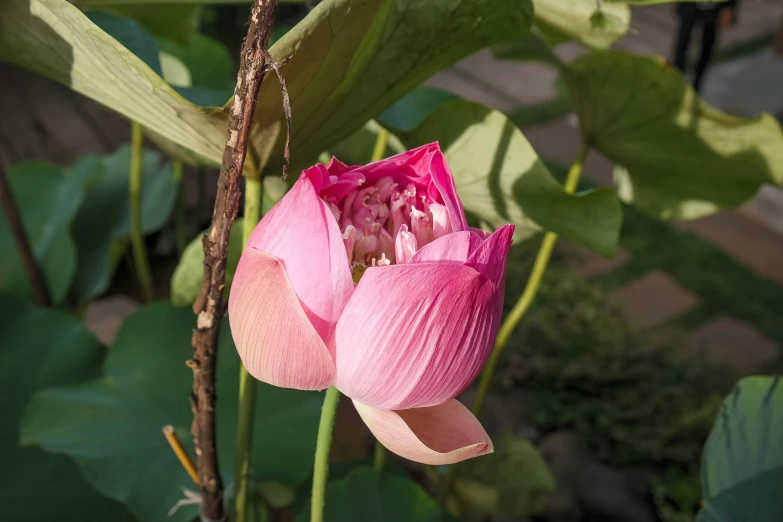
column 354, row 59
column 381, row 497
column 210, row 66
column 742, row 465
column 175, row 22
column 512, row 481
column 410, row 111
column 54, row 39
column 189, row 274
column 102, row 224
column 500, row 178
column 563, row 20
column 47, row 201
column 357, row 57
column 131, row 35
column 112, row 426
column 43, row 348
column 588, row 371
column 683, row 158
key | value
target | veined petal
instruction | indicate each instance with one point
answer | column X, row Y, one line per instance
column 451, row 248
column 415, row 334
column 490, row 257
column 302, row 233
column 444, row 180
column 275, row 340
column 442, row 434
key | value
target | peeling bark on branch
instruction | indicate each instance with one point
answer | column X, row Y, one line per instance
column 209, row 305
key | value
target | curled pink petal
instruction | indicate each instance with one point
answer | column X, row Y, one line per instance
column 444, row 181
column 415, row 334
column 489, row 258
column 302, row 233
column 275, row 339
column 451, row 248
column 442, row 434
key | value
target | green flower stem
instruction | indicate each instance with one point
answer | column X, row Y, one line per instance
column 533, row 282
column 140, row 258
column 379, row 150
column 247, row 384
column 380, row 456
column 323, row 444
column 179, row 211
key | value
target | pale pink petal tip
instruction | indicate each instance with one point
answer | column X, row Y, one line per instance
column 275, row 340
column 443, row 434
column 489, row 259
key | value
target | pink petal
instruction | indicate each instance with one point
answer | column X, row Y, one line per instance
column 405, row 245
column 302, row 233
column 274, row 338
column 442, row 434
column 490, row 257
column 451, row 248
column 444, row 180
column 415, row 334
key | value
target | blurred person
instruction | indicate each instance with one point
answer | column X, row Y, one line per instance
column 712, row 16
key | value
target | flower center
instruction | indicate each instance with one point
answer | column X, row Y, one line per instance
column 384, row 223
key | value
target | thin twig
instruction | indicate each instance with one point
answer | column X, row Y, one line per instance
column 179, row 450
column 31, row 266
column 209, row 305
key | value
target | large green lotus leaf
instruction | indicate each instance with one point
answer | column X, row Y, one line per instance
column 563, row 20
column 47, row 201
column 354, row 58
column 501, row 180
column 53, row 38
column 512, row 481
column 367, row 495
column 189, row 274
column 684, row 158
column 40, row 348
column 742, row 463
column 112, row 426
column 103, row 221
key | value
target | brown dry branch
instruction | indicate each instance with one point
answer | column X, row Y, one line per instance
column 30, row 264
column 209, row 305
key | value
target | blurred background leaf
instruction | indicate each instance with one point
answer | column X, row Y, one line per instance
column 684, row 159
column 112, row 426
column 102, row 223
column 48, row 201
column 742, row 464
column 41, row 348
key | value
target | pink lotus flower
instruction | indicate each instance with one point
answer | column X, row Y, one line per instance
column 414, row 332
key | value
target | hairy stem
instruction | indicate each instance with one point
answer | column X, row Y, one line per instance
column 247, row 384
column 529, row 293
column 29, row 262
column 209, row 304
column 323, row 445
column 140, row 259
